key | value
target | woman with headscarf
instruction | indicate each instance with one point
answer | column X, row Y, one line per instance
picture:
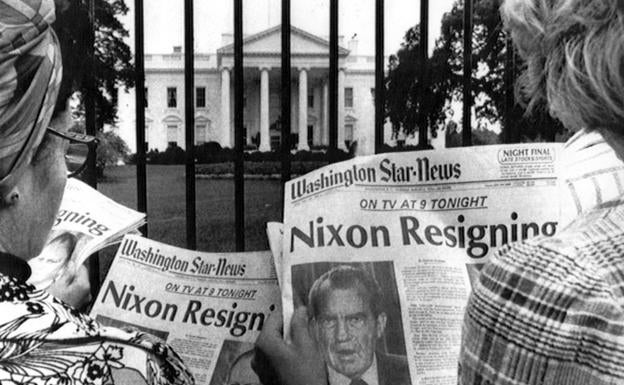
column 43, row 340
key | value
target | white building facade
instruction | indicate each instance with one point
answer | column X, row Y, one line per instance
column 214, row 96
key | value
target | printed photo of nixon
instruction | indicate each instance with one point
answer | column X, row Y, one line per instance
column 355, row 321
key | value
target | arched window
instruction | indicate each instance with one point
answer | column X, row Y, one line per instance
column 172, row 124
column 203, row 128
column 200, row 133
column 172, row 135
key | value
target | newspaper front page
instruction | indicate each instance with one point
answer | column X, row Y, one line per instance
column 209, row 306
column 382, row 250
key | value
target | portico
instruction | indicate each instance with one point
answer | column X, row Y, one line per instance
column 310, row 98
column 262, row 112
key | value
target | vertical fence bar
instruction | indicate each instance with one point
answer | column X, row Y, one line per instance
column 90, row 175
column 189, row 118
column 467, row 100
column 333, row 80
column 423, row 129
column 139, row 79
column 508, row 135
column 286, row 86
column 380, row 86
column 90, row 90
column 239, row 182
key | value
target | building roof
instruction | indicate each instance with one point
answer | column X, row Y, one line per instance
column 268, row 42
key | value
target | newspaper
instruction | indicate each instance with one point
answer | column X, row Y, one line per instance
column 210, row 307
column 382, row 249
column 275, row 234
column 87, row 221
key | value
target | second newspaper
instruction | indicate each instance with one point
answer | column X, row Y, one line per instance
column 209, row 306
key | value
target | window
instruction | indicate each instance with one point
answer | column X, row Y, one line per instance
column 275, row 142
column 200, row 97
column 172, row 97
column 310, row 134
column 373, row 94
column 200, row 133
column 348, row 95
column 145, row 101
column 172, row 135
column 348, row 134
column 310, row 100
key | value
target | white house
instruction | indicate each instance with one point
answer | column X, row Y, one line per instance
column 214, row 95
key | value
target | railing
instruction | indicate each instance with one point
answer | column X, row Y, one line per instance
column 90, row 126
column 239, row 212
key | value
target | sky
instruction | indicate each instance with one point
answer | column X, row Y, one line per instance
column 164, row 21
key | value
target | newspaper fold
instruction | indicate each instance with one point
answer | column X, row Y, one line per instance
column 87, row 222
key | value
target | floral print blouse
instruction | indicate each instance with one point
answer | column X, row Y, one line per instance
column 44, row 341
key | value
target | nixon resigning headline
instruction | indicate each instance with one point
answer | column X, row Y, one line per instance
column 194, row 311
column 410, row 230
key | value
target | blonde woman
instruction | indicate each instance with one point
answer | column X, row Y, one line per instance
column 551, row 311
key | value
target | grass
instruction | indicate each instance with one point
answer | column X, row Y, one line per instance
column 166, row 207
column 258, row 168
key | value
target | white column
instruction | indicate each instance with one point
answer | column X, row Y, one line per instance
column 294, row 115
column 303, row 110
column 317, row 109
column 325, row 121
column 265, row 137
column 226, row 131
column 341, row 114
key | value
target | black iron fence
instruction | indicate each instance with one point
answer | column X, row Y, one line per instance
column 285, row 150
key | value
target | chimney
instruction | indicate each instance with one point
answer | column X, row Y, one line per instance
column 353, row 45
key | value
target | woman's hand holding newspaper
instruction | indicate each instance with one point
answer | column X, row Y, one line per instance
column 297, row 362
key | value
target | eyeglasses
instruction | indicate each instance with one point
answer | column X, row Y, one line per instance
column 81, row 148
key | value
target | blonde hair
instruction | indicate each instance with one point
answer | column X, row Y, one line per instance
column 574, row 53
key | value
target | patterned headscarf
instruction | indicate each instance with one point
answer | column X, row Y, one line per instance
column 30, row 77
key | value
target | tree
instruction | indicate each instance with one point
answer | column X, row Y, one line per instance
column 403, row 84
column 111, row 150
column 112, row 66
column 446, row 80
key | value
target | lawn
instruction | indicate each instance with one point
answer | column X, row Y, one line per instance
column 166, row 207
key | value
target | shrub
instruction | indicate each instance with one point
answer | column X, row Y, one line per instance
column 212, row 152
column 172, row 155
column 257, row 168
column 403, row 148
